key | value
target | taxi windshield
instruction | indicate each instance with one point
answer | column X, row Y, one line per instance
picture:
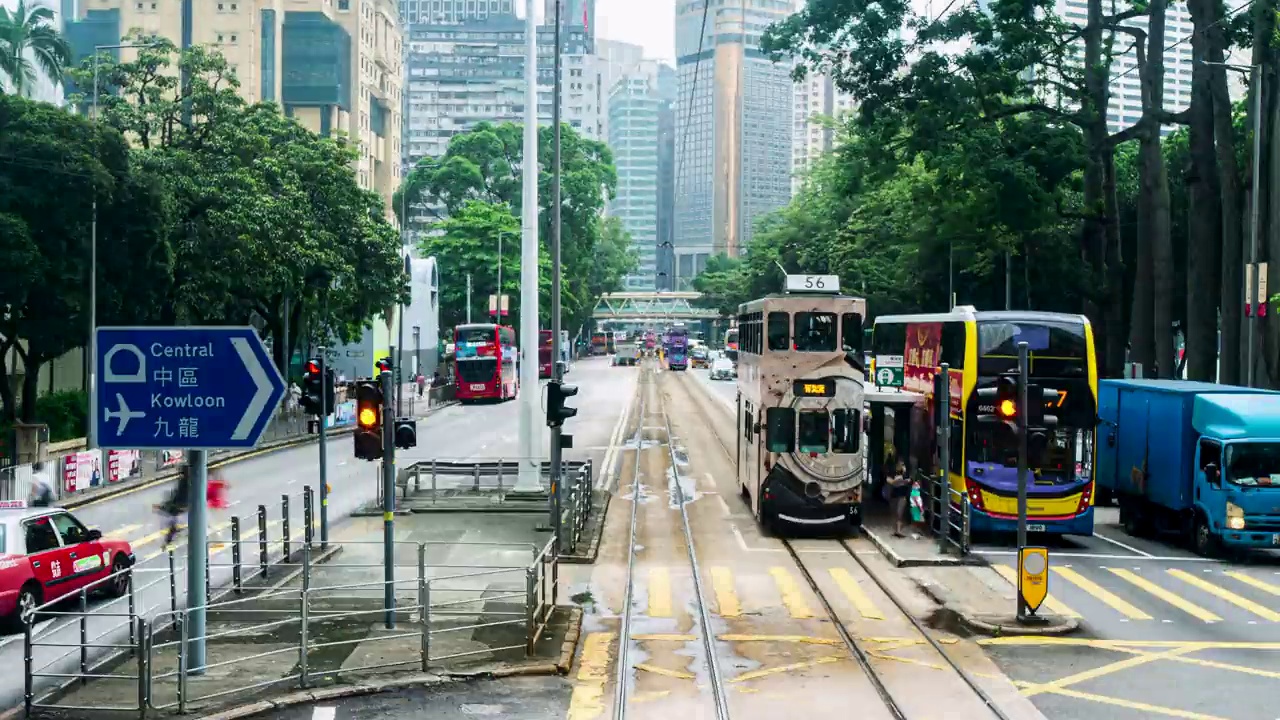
column 1253, row 464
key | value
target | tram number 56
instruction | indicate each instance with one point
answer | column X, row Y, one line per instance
column 813, row 283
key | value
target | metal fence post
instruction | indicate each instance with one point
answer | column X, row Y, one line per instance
column 173, row 587
column 500, row 464
column 284, row 515
column 29, row 682
column 424, row 604
column 182, row 662
column 966, row 509
column 133, row 609
column 306, row 514
column 304, row 616
column 475, row 475
column 417, row 478
column 530, row 600
column 236, row 578
column 84, row 636
column 433, row 482
column 140, row 627
column 262, row 539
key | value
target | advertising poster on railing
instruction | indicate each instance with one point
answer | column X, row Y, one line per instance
column 123, row 464
column 170, row 458
column 81, row 470
column 344, row 414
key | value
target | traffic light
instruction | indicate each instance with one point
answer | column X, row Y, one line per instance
column 1043, row 402
column 406, row 432
column 384, row 365
column 557, row 393
column 368, row 434
column 999, row 404
column 313, row 388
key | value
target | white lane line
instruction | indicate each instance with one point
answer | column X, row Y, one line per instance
column 725, row 506
column 1117, row 543
column 324, row 713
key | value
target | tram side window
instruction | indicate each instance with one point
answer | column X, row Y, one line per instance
column 815, row 332
column 851, row 331
column 846, row 431
column 779, row 331
column 746, row 423
column 780, row 430
column 815, row 431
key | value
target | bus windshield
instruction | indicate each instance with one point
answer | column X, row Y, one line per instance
column 1055, row 349
column 476, row 334
column 1067, row 456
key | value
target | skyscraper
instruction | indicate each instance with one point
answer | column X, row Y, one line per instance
column 818, row 103
column 733, row 129
column 453, row 11
column 635, row 106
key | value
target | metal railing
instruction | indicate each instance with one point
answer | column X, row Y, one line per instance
column 949, row 517
column 445, row 481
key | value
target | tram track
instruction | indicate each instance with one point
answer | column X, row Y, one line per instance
column 651, row 404
column 855, row 648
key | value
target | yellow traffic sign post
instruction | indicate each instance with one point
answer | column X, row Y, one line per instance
column 1033, row 581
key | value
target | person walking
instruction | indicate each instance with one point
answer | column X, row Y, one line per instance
column 41, row 494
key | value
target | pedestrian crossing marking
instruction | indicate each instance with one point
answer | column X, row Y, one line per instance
column 1253, row 582
column 659, row 593
column 1054, row 606
column 1144, row 584
column 855, row 595
column 1092, row 588
column 792, row 598
column 726, row 595
column 1220, row 592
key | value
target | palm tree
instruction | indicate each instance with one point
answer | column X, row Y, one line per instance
column 26, row 34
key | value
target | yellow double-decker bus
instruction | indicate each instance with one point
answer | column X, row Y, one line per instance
column 978, row 347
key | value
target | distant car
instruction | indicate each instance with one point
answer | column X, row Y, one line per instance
column 722, row 369
column 47, row 554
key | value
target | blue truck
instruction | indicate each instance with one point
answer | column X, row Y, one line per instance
column 1196, row 460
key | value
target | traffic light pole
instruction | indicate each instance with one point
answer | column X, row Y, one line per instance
column 1022, row 461
column 197, row 558
column 557, row 369
column 944, row 456
column 324, row 452
column 388, row 501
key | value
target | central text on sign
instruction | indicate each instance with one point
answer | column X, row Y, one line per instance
column 181, row 351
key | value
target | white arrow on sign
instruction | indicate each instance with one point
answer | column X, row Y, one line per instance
column 260, row 380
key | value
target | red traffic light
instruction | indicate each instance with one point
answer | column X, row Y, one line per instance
column 313, row 367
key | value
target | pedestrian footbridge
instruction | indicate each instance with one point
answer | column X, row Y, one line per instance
column 652, row 306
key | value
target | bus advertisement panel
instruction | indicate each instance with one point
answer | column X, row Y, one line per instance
column 979, row 347
column 485, row 361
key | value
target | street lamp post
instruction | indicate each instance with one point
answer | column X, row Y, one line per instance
column 91, row 434
column 1255, row 73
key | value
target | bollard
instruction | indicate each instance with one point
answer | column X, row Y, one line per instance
column 417, row 478
column 173, row 587
column 284, row 515
column 236, row 578
column 306, row 514
column 475, row 475
column 262, row 539
column 304, row 616
column 424, row 606
column 182, row 664
column 29, row 689
column 140, row 627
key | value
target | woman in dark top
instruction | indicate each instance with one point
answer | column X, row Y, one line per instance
column 899, row 493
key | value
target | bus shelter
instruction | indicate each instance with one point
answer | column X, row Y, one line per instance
column 892, row 414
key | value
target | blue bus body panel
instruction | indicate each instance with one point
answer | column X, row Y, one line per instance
column 1147, row 437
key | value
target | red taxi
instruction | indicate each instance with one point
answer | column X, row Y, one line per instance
column 47, row 554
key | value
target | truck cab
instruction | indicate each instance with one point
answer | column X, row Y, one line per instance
column 1237, row 470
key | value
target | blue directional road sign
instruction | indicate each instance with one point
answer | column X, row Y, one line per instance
column 184, row 387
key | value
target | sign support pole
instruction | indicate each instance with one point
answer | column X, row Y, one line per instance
column 1022, row 463
column 324, row 454
column 944, row 457
column 388, row 502
column 197, row 534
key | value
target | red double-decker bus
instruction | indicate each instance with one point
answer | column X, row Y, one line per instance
column 485, row 360
column 546, row 353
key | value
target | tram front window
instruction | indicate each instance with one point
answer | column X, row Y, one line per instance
column 846, row 434
column 816, row 332
column 780, row 430
column 815, row 431
column 779, row 331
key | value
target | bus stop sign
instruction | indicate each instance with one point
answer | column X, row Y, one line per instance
column 1033, row 576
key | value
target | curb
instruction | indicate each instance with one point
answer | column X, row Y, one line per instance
column 898, row 561
column 593, row 550
column 994, row 625
column 306, row 697
column 266, row 449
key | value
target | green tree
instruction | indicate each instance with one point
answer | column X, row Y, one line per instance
column 28, row 33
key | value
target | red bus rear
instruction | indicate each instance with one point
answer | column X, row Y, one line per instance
column 485, row 361
column 545, row 352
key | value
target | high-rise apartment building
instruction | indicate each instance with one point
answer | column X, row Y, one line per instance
column 820, row 106
column 666, row 177
column 634, row 109
column 462, row 74
column 334, row 65
column 441, row 12
column 734, row 116
column 613, row 58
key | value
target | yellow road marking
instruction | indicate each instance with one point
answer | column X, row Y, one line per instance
column 1122, row 644
column 854, row 593
column 1132, row 705
column 659, row 593
column 124, row 530
column 648, row 696
column 1254, row 582
column 1183, row 605
column 1036, row 688
column 883, row 655
column 726, row 595
column 765, row 672
column 669, row 637
column 791, row 595
column 1234, row 599
column 1209, row 663
column 731, row 637
column 587, row 700
column 1116, row 602
column 677, row 674
column 1056, row 607
column 148, row 539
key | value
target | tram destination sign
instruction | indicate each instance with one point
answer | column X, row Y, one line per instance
column 814, row 388
column 813, row 284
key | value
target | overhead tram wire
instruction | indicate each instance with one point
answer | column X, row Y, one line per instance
column 693, row 87
column 1187, row 38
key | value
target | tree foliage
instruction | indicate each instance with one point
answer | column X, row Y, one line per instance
column 30, row 41
column 484, row 166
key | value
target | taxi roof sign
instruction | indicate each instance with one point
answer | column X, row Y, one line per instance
column 13, row 504
column 1033, row 576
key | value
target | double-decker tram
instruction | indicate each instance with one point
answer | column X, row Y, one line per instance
column 800, row 404
column 978, row 347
